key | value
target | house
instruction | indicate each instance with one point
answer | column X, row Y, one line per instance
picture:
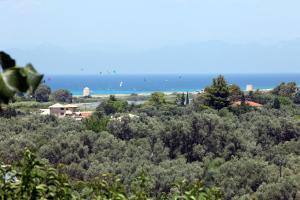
column 57, row 110
column 249, row 103
column 69, row 110
column 71, row 107
column 60, row 110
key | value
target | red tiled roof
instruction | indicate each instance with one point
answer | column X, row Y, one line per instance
column 249, row 103
column 86, row 114
column 253, row 104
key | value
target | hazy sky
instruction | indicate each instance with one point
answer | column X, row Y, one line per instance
column 142, row 25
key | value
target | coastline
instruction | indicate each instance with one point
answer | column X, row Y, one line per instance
column 139, row 94
column 144, row 85
column 193, row 92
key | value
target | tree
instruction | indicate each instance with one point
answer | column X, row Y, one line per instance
column 276, row 103
column 157, row 98
column 218, row 93
column 187, row 98
column 286, row 90
column 243, row 100
column 182, row 99
column 112, row 106
column 289, row 89
column 278, row 88
column 96, row 123
column 62, row 95
column 33, row 179
column 297, row 98
column 178, row 99
column 15, row 79
column 42, row 93
column 235, row 92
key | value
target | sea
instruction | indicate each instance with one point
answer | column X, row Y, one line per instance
column 148, row 83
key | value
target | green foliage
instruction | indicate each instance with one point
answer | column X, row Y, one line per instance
column 297, row 98
column 242, row 109
column 32, row 179
column 97, row 122
column 42, row 93
column 29, row 106
column 197, row 191
column 247, row 174
column 187, row 99
column 283, row 189
column 8, row 112
column 157, row 99
column 235, row 92
column 247, row 153
column 182, row 100
column 62, row 95
column 15, row 79
column 286, row 90
column 285, row 100
column 276, row 103
column 112, row 106
column 218, row 93
column 260, row 97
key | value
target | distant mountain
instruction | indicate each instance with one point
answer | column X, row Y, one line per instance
column 207, row 57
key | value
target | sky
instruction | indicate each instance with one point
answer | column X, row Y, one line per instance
column 157, row 36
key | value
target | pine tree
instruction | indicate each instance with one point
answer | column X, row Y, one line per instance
column 218, row 93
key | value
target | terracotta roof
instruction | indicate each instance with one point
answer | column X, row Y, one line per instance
column 253, row 104
column 249, row 103
column 86, row 114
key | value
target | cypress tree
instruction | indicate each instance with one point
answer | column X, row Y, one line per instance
column 182, row 99
column 187, row 99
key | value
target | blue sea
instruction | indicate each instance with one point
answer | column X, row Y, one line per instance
column 127, row 84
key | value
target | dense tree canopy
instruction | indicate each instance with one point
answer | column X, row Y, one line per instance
column 112, row 106
column 246, row 152
column 42, row 93
column 285, row 89
column 62, row 95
